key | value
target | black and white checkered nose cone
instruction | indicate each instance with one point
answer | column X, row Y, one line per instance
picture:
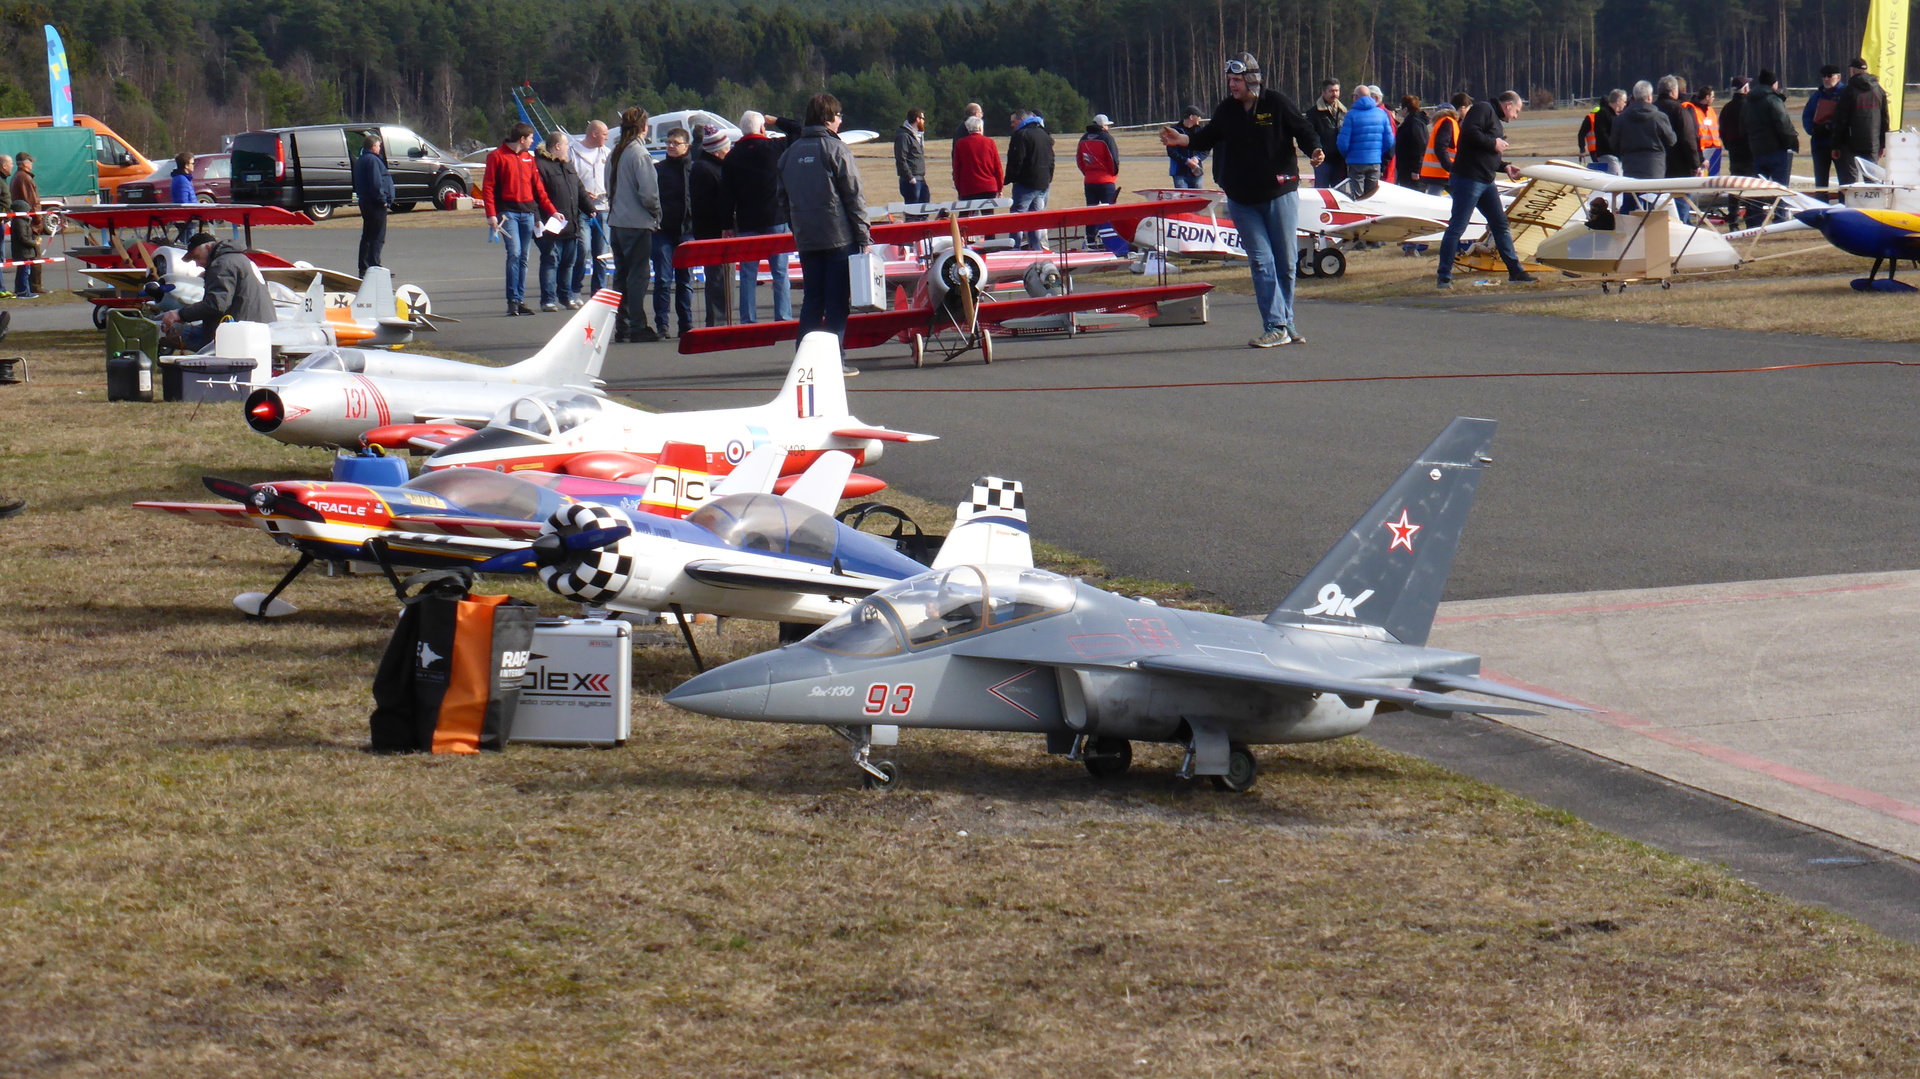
column 593, row 577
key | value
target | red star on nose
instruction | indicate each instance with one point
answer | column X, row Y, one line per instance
column 1403, row 531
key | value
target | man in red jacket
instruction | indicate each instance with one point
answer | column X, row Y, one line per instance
column 977, row 172
column 512, row 191
column 1099, row 159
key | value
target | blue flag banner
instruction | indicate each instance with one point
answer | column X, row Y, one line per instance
column 58, row 82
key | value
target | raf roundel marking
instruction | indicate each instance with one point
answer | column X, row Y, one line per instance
column 736, row 452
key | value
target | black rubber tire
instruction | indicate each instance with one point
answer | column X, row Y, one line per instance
column 99, row 317
column 319, row 212
column 1243, row 771
column 875, row 783
column 1330, row 263
column 404, row 207
column 1108, row 758
column 919, row 346
column 1303, row 266
column 448, row 191
column 206, row 198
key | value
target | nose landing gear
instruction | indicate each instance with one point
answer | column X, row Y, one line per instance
column 874, row 775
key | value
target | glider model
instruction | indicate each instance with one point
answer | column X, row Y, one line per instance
column 983, row 643
column 951, row 309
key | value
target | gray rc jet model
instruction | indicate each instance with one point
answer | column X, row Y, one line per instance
column 998, row 647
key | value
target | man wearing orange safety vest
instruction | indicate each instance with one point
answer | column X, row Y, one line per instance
column 1709, row 124
column 1442, row 141
column 1596, row 130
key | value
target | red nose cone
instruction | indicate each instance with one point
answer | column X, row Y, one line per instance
column 264, row 411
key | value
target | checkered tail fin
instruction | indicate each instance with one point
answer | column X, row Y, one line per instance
column 989, row 527
column 1391, row 567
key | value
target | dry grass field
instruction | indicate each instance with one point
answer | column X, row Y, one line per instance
column 203, row 873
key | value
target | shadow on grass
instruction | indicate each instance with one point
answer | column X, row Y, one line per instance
column 267, row 740
column 103, row 620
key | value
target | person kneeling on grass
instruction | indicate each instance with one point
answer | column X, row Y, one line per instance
column 233, row 291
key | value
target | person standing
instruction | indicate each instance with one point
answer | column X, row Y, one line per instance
column 1365, row 141
column 180, row 185
column 1410, row 142
column 589, row 156
column 1483, row 139
column 973, row 112
column 1642, row 136
column 977, row 173
column 820, row 197
column 1732, row 133
column 670, row 285
column 1816, row 118
column 1184, row 163
column 711, row 216
column 1770, row 135
column 1707, row 122
column 511, row 191
column 1596, row 131
column 910, row 157
column 1683, row 157
column 1254, row 134
column 373, row 190
column 1098, row 158
column 25, row 195
column 1029, row 169
column 1443, row 141
column 1859, row 123
column 559, row 251
column 751, row 174
column 1328, row 114
column 633, row 214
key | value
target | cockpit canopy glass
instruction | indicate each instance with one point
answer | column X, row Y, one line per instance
column 483, row 491
column 932, row 608
column 763, row 522
column 548, row 416
column 332, row 359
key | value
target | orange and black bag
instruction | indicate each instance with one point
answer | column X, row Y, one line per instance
column 449, row 681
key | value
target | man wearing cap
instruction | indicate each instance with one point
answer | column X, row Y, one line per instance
column 711, row 212
column 1255, row 132
column 1098, row 157
column 1029, row 169
column 1817, row 120
column 234, row 291
column 1184, row 163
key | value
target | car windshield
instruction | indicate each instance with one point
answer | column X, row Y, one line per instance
column 763, row 522
column 482, row 491
column 864, row 631
column 934, row 607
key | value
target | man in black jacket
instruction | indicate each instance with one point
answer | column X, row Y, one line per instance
column 1770, row 135
column 676, row 227
column 711, row 215
column 233, row 290
column 373, row 189
column 1029, row 169
column 1683, row 157
column 1483, row 139
column 751, row 177
column 1859, row 123
column 1253, row 134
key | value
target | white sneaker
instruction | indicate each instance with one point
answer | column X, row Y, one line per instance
column 1273, row 338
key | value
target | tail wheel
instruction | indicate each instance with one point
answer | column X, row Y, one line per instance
column 986, row 345
column 1242, row 771
column 919, row 346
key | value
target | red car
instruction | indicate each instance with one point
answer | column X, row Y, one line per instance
column 212, row 182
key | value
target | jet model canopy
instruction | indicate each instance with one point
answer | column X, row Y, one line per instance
column 481, row 491
column 332, row 359
column 549, row 415
column 764, row 522
column 935, row 607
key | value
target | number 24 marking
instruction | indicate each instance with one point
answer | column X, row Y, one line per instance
column 878, row 694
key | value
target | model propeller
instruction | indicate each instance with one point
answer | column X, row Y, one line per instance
column 263, row 498
column 553, row 549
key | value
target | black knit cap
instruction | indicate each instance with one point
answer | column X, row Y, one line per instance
column 199, row 238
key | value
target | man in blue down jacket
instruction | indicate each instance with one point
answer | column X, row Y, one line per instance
column 1366, row 141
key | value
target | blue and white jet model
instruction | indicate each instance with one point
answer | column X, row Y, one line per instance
column 994, row 646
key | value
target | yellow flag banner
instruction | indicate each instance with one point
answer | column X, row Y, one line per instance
column 1884, row 48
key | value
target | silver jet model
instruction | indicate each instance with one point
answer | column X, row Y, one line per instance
column 999, row 647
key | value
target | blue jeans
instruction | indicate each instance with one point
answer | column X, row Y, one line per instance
column 1468, row 196
column 667, row 279
column 1025, row 199
column 829, row 290
column 1776, row 166
column 557, row 261
column 914, row 190
column 632, row 258
column 516, row 235
column 593, row 243
column 1326, row 175
column 1186, row 180
column 782, row 285
column 1267, row 231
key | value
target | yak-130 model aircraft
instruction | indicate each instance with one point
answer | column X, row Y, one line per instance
column 580, row 434
column 337, row 395
column 746, row 552
column 951, row 309
column 1006, row 647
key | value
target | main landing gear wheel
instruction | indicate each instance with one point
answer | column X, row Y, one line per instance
column 888, row 778
column 1303, row 266
column 919, row 345
column 986, row 345
column 1242, row 771
column 1330, row 263
column 99, row 317
column 1108, row 758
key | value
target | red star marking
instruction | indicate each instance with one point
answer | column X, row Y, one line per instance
column 589, row 335
column 1403, row 531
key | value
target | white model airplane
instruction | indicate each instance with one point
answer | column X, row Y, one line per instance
column 570, row 431
column 338, row 394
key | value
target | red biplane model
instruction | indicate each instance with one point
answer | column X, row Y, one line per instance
column 951, row 309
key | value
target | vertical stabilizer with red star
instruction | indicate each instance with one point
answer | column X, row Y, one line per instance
column 574, row 356
column 1391, row 567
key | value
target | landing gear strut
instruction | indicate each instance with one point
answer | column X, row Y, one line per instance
column 874, row 775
